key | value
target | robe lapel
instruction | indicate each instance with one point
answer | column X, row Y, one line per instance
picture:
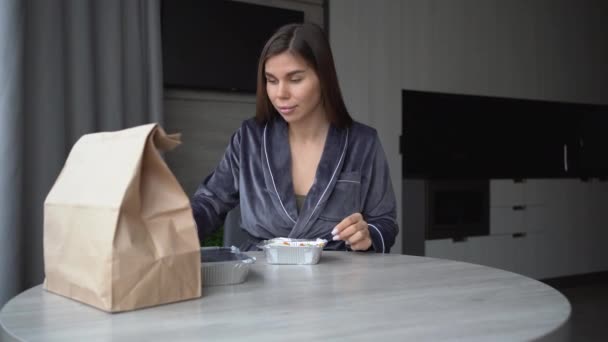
column 327, row 173
column 277, row 167
column 277, row 173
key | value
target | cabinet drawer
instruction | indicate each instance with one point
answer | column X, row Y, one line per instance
column 515, row 254
column 506, row 252
column 538, row 191
column 447, row 249
column 506, row 193
column 536, row 218
column 505, row 220
column 518, row 219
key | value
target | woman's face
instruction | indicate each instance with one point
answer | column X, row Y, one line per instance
column 293, row 87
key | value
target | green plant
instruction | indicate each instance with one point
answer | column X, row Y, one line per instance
column 215, row 239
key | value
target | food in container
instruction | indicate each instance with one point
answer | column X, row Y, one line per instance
column 224, row 265
column 292, row 251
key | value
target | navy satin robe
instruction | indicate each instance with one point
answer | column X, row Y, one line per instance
column 255, row 173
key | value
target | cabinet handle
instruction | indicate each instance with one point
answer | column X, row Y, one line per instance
column 519, row 207
column 518, row 235
column 566, row 157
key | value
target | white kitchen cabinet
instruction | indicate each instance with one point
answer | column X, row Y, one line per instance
column 561, row 229
column 447, row 249
column 566, row 251
column 535, row 219
column 515, row 254
column 601, row 229
column 506, row 193
column 597, row 224
column 573, row 216
column 535, row 191
column 553, row 256
column 506, row 220
column 509, row 193
column 495, row 251
column 528, row 219
column 529, row 260
column 517, row 207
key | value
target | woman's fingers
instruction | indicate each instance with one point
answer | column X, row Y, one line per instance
column 362, row 245
column 347, row 227
column 347, row 222
column 360, row 241
column 346, row 233
column 355, row 231
column 355, row 238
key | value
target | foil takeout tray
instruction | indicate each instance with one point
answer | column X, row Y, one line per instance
column 286, row 251
column 224, row 265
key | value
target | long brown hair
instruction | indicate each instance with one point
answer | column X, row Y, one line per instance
column 309, row 42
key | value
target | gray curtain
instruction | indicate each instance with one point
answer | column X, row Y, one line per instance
column 73, row 67
column 11, row 38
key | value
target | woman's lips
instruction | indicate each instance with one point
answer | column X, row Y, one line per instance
column 287, row 109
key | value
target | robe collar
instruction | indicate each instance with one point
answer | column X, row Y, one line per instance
column 277, row 161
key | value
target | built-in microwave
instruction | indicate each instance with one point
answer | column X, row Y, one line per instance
column 457, row 208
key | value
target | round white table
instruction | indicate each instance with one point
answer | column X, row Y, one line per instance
column 347, row 296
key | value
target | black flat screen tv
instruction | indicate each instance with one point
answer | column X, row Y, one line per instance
column 216, row 44
column 460, row 136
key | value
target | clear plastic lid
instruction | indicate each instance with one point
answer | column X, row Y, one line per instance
column 223, row 254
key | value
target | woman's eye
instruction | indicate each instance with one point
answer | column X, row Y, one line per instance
column 296, row 80
column 271, row 81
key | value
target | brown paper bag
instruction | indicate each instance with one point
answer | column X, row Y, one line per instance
column 118, row 228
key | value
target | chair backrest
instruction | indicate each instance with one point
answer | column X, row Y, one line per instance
column 234, row 235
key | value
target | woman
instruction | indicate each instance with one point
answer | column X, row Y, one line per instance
column 302, row 168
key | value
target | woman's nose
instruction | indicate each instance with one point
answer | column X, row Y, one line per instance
column 283, row 91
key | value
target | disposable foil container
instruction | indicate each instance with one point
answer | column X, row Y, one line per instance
column 287, row 251
column 224, row 266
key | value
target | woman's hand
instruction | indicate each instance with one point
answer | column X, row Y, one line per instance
column 355, row 231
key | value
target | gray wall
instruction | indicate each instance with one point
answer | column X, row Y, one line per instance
column 543, row 49
column 365, row 38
